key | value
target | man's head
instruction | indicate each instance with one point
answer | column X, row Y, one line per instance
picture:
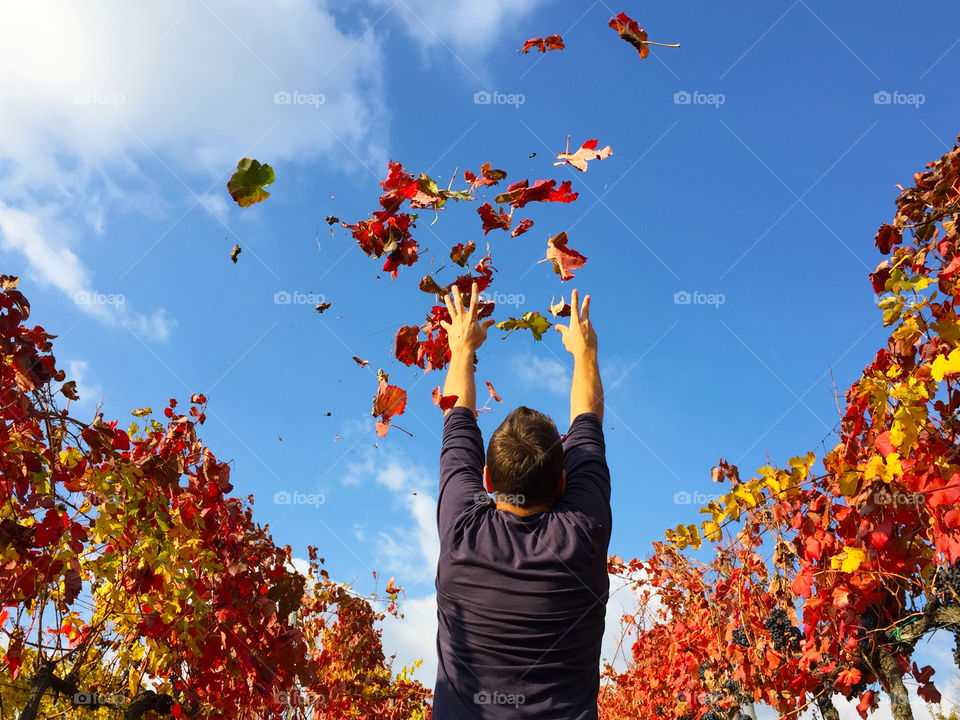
column 525, row 460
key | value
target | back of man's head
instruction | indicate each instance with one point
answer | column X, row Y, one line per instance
column 525, row 459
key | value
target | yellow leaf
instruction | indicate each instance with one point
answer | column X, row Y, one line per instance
column 945, row 364
column 849, row 560
column 849, row 482
column 711, row 530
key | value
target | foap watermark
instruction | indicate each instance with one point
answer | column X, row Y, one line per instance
column 682, row 297
column 502, row 298
column 282, row 497
column 483, row 97
column 495, row 697
column 95, row 700
column 89, row 297
column 99, row 98
column 300, row 699
column 895, row 97
column 284, row 297
column 481, row 498
column 683, row 97
column 283, row 97
column 882, row 497
column 683, row 497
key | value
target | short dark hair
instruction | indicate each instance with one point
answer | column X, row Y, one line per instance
column 525, row 458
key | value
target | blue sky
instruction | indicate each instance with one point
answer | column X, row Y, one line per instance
column 765, row 191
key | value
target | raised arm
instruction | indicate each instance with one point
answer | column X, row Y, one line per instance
column 580, row 340
column 465, row 336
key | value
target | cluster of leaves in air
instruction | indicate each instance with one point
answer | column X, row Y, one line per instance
column 131, row 580
column 388, row 233
column 626, row 26
column 823, row 583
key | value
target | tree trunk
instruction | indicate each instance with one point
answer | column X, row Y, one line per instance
column 896, row 690
column 39, row 684
column 147, row 700
column 827, row 709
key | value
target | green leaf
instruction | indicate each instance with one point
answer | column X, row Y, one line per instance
column 532, row 321
column 247, row 183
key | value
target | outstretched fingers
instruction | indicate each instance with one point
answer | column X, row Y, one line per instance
column 473, row 303
column 585, row 311
column 574, row 308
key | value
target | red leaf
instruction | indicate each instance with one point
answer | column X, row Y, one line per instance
column 390, row 400
column 551, row 42
column 493, row 393
column 493, row 219
column 588, row 151
column 520, row 229
column 521, row 193
column 460, row 253
column 444, row 401
column 488, row 176
column 407, row 345
column 866, row 702
column 564, row 259
column 887, row 236
column 631, row 32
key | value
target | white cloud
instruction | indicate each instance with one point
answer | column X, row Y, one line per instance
column 541, row 372
column 464, row 25
column 95, row 93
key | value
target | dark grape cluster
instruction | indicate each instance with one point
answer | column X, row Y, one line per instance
column 781, row 631
column 947, row 583
column 744, row 716
column 732, row 687
column 956, row 648
column 702, row 671
column 868, row 623
column 710, row 715
column 740, row 637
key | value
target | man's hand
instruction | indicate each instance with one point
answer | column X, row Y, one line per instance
column 464, row 333
column 465, row 336
column 579, row 337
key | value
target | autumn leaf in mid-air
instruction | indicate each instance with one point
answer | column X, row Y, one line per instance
column 532, row 321
column 488, row 176
column 564, row 259
column 559, row 309
column 460, row 253
column 587, row 151
column 444, row 401
column 522, row 227
column 247, row 183
column 634, row 34
column 390, row 400
column 493, row 219
column 551, row 42
column 493, row 393
column 235, row 253
column 360, row 361
column 521, row 192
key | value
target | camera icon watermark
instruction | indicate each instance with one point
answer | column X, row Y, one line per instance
column 515, row 499
column 99, row 98
column 90, row 297
column 282, row 497
column 494, row 697
column 283, row 97
column 895, row 97
column 285, row 297
column 683, row 97
column 682, row 297
column 484, row 97
column 96, row 700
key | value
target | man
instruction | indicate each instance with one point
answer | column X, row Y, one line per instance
column 521, row 582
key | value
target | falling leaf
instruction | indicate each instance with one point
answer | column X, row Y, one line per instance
column 444, row 401
column 361, row 363
column 564, row 259
column 429, row 285
column 246, row 184
column 235, row 253
column 332, row 219
column 393, row 589
column 488, row 176
column 588, row 151
column 560, row 309
column 551, row 42
column 279, row 438
column 390, row 400
column 493, row 219
column 336, row 437
column 461, row 253
column 532, row 321
column 493, row 393
column 520, row 229
column 322, row 307
column 521, row 192
column 407, row 345
column 532, row 155
column 69, row 389
column 634, row 34
column 9, row 282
